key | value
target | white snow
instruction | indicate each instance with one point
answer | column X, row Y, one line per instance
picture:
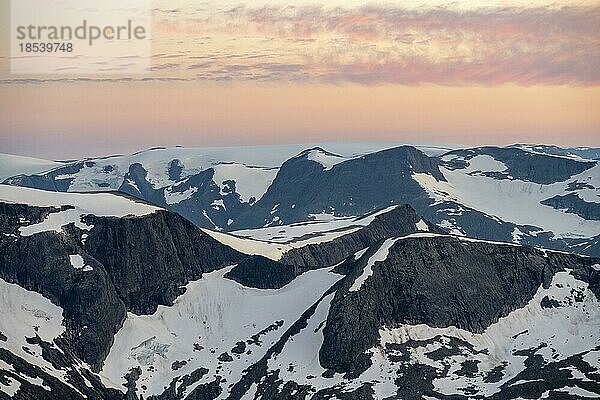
column 11, row 165
column 577, row 391
column 99, row 204
column 569, row 329
column 380, row 255
column 78, row 263
column 324, row 227
column 12, row 388
column 327, row 160
column 55, row 221
column 193, row 160
column 250, row 181
column 301, row 352
column 214, row 313
column 172, row 197
column 273, row 242
column 271, row 250
column 517, row 235
column 540, row 150
column 27, row 314
column 515, row 200
column 211, row 221
column 360, row 253
column 484, row 163
column 218, row 205
column 422, row 226
column 593, row 359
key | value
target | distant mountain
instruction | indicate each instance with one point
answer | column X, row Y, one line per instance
column 11, row 165
column 539, row 195
column 104, row 296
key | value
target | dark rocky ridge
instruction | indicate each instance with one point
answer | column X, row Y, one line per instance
column 41, row 263
column 150, row 258
column 574, row 204
column 527, row 166
column 400, row 221
column 138, row 263
column 353, row 187
column 438, row 281
column 589, row 153
column 49, row 181
column 262, row 273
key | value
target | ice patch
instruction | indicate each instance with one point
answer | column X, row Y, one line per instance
column 146, row 352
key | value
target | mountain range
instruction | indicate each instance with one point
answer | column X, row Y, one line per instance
column 333, row 272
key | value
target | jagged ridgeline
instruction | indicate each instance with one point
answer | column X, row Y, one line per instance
column 330, row 285
column 539, row 195
column 105, row 296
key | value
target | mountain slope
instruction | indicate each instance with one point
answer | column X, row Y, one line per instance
column 107, row 297
column 436, row 316
column 97, row 257
column 466, row 191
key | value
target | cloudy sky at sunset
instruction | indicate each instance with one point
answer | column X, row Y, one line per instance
column 253, row 72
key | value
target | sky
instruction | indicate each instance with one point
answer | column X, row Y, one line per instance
column 259, row 72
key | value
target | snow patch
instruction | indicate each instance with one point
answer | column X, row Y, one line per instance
column 11, row 165
column 26, row 314
column 326, row 159
column 497, row 198
column 422, row 226
column 218, row 205
column 210, row 318
column 172, row 197
column 570, row 328
column 380, row 255
column 78, row 263
column 55, row 222
column 250, row 182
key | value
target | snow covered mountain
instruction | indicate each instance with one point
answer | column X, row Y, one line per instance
column 104, row 296
column 532, row 194
column 11, row 165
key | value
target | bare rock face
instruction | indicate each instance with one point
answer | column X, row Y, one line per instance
column 150, row 258
column 575, row 205
column 440, row 282
column 527, row 166
column 262, row 273
column 92, row 308
column 400, row 221
column 137, row 263
column 354, row 187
